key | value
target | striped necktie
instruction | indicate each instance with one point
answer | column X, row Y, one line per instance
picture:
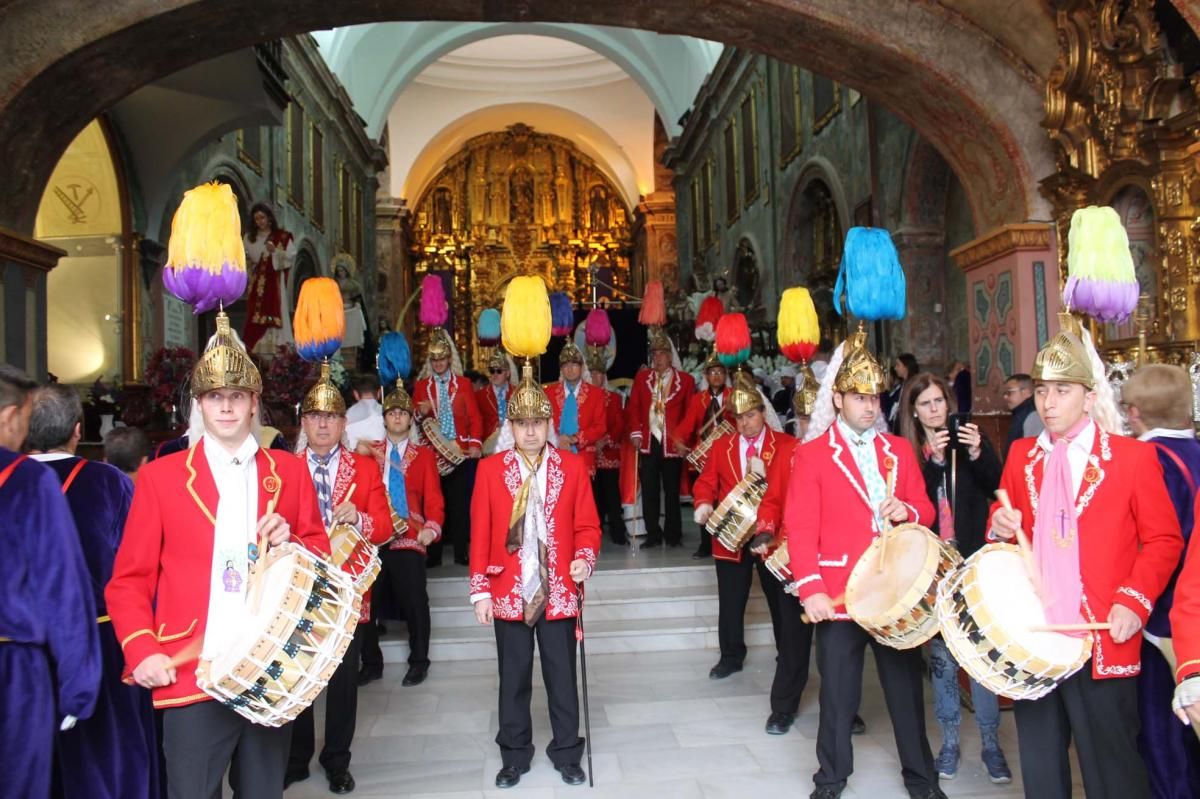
column 397, row 490
column 324, row 494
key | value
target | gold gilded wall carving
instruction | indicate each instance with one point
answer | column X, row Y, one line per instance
column 1122, row 113
column 517, row 202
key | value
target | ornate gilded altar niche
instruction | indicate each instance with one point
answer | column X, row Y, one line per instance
column 518, row 202
column 1125, row 122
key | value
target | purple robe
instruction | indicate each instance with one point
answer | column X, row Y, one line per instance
column 50, row 652
column 1169, row 748
column 113, row 754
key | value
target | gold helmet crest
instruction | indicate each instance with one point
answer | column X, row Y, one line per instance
column 570, row 354
column 745, row 396
column 860, row 372
column 439, row 345
column 804, row 400
column 398, row 399
column 528, row 401
column 324, row 397
column 1065, row 358
column 225, row 364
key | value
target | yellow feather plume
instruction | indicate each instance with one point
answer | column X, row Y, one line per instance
column 525, row 317
column 206, row 231
column 320, row 321
column 799, row 331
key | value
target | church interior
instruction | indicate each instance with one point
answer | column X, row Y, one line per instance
column 716, row 149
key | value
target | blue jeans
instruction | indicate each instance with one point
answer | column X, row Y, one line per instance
column 944, row 674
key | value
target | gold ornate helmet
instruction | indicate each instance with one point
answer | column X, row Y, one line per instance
column 398, row 399
column 570, row 354
column 528, row 401
column 860, row 372
column 1065, row 358
column 597, row 359
column 439, row 345
column 498, row 360
column 713, row 362
column 225, row 364
column 324, row 397
column 804, row 400
column 746, row 396
column 659, row 340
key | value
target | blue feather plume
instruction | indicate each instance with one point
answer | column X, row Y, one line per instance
column 488, row 327
column 395, row 358
column 871, row 276
column 562, row 315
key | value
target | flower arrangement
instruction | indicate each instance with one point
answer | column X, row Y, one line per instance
column 137, row 407
column 167, row 375
column 287, row 377
column 338, row 373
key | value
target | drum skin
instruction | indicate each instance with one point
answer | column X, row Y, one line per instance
column 986, row 609
column 896, row 605
column 355, row 555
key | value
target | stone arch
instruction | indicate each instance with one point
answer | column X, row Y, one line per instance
column 817, row 188
column 307, row 264
column 937, row 68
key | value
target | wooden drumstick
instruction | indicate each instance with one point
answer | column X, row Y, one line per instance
column 1022, row 540
column 349, row 493
column 838, row 600
column 1070, row 628
column 254, row 598
column 887, row 524
column 181, row 658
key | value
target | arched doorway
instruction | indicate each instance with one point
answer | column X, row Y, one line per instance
column 92, row 296
column 812, row 250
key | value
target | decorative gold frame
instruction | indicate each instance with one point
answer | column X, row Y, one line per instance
column 819, row 124
column 294, row 181
column 791, row 73
column 245, row 155
column 316, row 174
column 732, row 174
column 750, row 136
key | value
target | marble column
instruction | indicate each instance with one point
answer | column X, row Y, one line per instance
column 1012, row 299
column 655, row 245
column 25, row 264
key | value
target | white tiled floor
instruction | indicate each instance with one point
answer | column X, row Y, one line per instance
column 660, row 729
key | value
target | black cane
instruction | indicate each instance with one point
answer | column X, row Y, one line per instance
column 587, row 716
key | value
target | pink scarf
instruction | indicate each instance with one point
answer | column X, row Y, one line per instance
column 1056, row 535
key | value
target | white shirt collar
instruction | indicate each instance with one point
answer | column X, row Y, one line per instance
column 219, row 457
column 401, row 448
column 852, row 437
column 1167, row 432
column 47, row 457
column 1083, row 441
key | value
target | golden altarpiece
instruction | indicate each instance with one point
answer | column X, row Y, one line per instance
column 1125, row 121
column 519, row 202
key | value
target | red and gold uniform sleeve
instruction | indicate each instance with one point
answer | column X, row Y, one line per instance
column 372, row 502
column 1185, row 613
column 779, row 471
column 802, row 523
column 481, row 530
column 910, row 488
column 131, row 591
column 707, row 488
column 587, row 520
column 432, row 504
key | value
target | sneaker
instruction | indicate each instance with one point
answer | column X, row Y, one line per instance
column 947, row 761
column 997, row 766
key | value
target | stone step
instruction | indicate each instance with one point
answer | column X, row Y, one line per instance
column 603, row 637
column 613, row 605
column 604, row 580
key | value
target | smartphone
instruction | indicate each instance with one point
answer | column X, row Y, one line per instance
column 956, row 421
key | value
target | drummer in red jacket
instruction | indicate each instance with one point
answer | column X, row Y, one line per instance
column 1105, row 545
column 578, row 408
column 753, row 448
column 181, row 571
column 706, row 409
column 535, row 534
column 492, row 399
column 838, row 500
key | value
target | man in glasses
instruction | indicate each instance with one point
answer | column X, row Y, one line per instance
column 1018, row 396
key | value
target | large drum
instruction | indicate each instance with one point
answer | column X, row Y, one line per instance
column 287, row 647
column 987, row 609
column 896, row 604
column 699, row 456
column 778, row 563
column 355, row 555
column 735, row 517
column 449, row 455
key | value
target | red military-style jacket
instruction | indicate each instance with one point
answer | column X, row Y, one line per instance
column 591, row 413
column 423, row 488
column 369, row 498
column 572, row 532
column 468, row 424
column 692, row 429
column 158, row 594
column 828, row 521
column 608, row 451
column 1129, row 539
column 1185, row 613
column 489, row 409
column 637, row 412
column 723, row 471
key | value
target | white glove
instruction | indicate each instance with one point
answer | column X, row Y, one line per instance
column 701, row 514
column 1186, row 693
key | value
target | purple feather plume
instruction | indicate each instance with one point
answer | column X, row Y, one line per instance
column 434, row 308
column 562, row 315
column 205, row 290
column 1104, row 300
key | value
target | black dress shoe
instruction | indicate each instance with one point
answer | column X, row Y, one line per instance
column 509, row 776
column 700, row 554
column 572, row 774
column 366, row 675
column 858, row 726
column 723, row 669
column 415, row 676
column 340, row 781
column 827, row 791
column 648, row 544
column 297, row 775
column 780, row 723
column 932, row 792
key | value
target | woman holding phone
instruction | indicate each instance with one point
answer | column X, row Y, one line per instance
column 961, row 473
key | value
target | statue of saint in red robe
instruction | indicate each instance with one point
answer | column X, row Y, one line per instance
column 270, row 253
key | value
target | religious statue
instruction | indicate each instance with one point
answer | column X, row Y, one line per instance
column 270, row 253
column 352, row 300
column 598, row 209
column 521, row 197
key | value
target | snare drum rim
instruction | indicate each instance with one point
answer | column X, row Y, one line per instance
column 910, row 599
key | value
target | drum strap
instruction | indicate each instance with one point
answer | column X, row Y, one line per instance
column 66, row 486
column 1187, row 474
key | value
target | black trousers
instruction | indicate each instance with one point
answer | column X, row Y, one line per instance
column 369, row 651
column 793, row 644
column 606, row 488
column 841, row 649
column 341, row 716
column 556, row 648
column 201, row 740
column 404, row 569
column 456, row 532
column 733, row 592
column 1102, row 718
column 659, row 473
